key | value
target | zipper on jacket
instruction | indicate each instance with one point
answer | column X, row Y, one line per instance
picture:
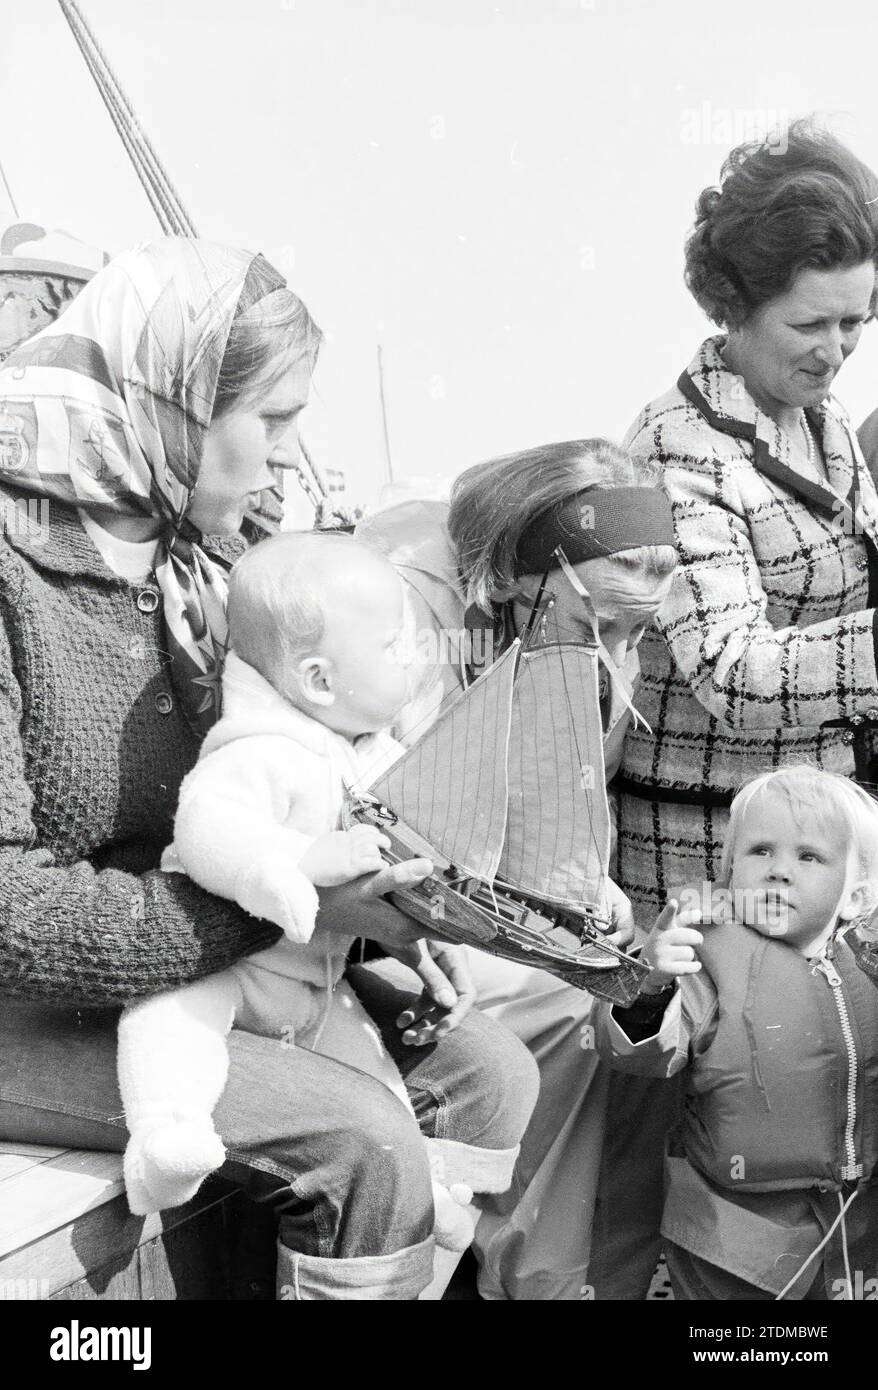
column 852, row 1169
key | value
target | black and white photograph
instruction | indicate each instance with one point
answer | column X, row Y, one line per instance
column 439, row 665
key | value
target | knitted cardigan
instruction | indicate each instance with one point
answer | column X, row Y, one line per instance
column 94, row 747
column 765, row 647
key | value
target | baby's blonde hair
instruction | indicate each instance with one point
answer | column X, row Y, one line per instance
column 276, row 613
column 828, row 797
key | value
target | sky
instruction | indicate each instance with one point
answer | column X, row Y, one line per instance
column 496, row 193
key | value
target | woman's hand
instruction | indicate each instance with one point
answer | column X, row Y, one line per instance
column 448, row 996
column 360, row 908
column 621, row 916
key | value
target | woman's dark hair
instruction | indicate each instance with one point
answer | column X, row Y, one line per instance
column 795, row 201
column 270, row 337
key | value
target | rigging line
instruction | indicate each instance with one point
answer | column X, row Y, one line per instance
column 306, row 486
column 105, row 76
column 534, row 612
column 146, row 162
column 153, row 188
column 8, row 190
column 316, row 473
column 591, row 831
column 168, row 215
column 384, row 414
column 163, row 214
column 158, row 204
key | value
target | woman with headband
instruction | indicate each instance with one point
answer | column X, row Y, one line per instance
column 580, row 1218
column 150, row 416
column 765, row 652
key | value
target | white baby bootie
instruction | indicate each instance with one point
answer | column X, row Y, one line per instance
column 164, row 1167
column 452, row 1226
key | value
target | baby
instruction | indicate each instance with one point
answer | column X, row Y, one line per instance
column 318, row 668
column 765, row 1007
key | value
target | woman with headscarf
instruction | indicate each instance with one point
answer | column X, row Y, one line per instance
column 150, row 415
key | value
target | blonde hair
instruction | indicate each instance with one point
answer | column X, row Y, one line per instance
column 275, row 610
column 493, row 503
column 827, row 796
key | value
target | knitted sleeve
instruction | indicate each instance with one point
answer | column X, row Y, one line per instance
column 74, row 935
column 746, row 672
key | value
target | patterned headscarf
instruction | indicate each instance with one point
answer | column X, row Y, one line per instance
column 108, row 408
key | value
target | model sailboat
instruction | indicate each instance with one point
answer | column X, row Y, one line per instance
column 506, row 795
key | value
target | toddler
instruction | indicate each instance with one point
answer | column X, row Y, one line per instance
column 755, row 990
column 318, row 668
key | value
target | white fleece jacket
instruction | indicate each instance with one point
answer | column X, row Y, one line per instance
column 268, row 781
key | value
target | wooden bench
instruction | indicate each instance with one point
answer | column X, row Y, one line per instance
column 66, row 1233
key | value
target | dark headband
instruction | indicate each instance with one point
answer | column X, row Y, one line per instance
column 595, row 523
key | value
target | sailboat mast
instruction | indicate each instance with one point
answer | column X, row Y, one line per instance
column 384, row 414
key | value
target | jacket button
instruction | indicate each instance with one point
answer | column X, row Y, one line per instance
column 164, row 703
column 862, row 563
column 147, row 600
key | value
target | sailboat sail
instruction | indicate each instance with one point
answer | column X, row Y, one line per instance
column 452, row 786
column 558, row 825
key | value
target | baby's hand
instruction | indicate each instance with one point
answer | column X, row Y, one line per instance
column 669, row 947
column 343, row 855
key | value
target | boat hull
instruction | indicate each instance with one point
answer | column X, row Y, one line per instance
column 501, row 923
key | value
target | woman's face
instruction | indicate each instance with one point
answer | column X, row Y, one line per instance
column 242, row 447
column 790, row 349
column 625, row 600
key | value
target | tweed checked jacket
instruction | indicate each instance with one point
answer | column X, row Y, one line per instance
column 765, row 647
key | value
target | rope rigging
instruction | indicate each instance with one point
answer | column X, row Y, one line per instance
column 9, row 190
column 166, row 202
column 164, row 199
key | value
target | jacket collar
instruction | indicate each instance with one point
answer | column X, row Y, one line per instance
column 850, row 503
column 723, row 399
column 252, row 706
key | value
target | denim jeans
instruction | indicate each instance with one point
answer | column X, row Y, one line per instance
column 330, row 1150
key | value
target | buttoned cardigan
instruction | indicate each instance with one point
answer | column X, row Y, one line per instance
column 93, row 747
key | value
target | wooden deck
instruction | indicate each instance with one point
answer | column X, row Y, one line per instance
column 66, row 1233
